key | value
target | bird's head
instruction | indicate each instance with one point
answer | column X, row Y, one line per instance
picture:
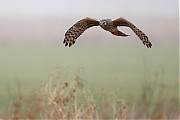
column 103, row 22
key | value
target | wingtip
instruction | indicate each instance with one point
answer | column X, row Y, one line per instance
column 64, row 41
column 70, row 44
column 66, row 44
column 149, row 45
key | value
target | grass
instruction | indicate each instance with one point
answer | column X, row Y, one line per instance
column 113, row 82
column 61, row 99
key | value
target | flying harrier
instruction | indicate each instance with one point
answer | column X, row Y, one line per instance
column 107, row 24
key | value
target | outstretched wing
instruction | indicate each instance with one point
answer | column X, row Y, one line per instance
column 139, row 33
column 77, row 29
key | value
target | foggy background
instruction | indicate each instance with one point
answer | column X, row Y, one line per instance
column 32, row 49
column 47, row 21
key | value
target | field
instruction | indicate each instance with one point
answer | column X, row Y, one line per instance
column 120, row 80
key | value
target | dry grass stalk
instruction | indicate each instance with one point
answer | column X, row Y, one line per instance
column 59, row 99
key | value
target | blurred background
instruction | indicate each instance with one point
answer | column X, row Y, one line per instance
column 32, row 32
column 47, row 21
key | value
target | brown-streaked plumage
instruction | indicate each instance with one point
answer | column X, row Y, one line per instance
column 107, row 24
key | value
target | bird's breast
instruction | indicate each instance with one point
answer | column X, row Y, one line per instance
column 108, row 27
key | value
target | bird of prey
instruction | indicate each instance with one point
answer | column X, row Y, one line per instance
column 107, row 24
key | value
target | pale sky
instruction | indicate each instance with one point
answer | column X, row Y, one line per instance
column 112, row 7
column 158, row 18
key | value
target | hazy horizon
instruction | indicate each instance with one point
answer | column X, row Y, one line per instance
column 47, row 21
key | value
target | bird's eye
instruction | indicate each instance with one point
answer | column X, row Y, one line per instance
column 104, row 23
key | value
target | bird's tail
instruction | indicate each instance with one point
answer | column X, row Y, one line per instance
column 118, row 33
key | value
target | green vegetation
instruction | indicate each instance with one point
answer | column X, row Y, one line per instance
column 121, row 80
